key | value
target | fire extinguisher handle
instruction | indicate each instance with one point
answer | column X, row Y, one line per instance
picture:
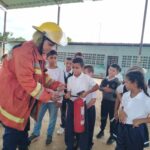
column 80, row 93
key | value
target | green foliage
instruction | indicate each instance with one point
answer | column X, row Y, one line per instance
column 69, row 39
column 8, row 36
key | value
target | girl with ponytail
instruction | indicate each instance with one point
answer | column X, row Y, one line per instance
column 134, row 113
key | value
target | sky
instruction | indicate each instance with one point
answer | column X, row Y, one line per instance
column 118, row 21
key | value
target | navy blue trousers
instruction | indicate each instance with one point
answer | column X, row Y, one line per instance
column 91, row 114
column 82, row 138
column 107, row 108
column 63, row 112
column 13, row 139
column 130, row 138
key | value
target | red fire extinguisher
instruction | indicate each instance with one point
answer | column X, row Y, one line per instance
column 79, row 117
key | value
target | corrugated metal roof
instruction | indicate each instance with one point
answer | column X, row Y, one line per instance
column 13, row 4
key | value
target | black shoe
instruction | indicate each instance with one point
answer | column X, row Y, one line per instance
column 48, row 140
column 110, row 140
column 100, row 135
column 33, row 137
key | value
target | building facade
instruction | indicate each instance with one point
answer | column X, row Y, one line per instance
column 101, row 55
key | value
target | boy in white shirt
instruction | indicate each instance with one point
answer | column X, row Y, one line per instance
column 91, row 110
column 77, row 83
column 57, row 74
column 67, row 74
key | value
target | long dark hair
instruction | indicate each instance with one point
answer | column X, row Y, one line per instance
column 138, row 78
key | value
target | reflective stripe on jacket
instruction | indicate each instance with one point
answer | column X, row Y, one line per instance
column 22, row 81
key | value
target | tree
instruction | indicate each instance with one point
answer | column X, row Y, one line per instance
column 69, row 39
column 8, row 36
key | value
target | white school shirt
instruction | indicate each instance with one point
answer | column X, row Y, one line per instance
column 120, row 89
column 67, row 73
column 136, row 107
column 120, row 77
column 80, row 83
column 56, row 74
column 90, row 96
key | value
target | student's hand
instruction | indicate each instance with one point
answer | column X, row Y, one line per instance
column 56, row 96
column 116, row 115
column 122, row 116
column 61, row 87
column 107, row 89
column 67, row 96
column 91, row 103
column 136, row 122
column 58, row 104
column 83, row 95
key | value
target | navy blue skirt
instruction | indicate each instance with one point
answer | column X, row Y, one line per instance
column 132, row 138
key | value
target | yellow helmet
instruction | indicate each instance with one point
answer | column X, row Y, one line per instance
column 52, row 31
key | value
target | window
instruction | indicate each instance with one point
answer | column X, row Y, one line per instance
column 70, row 55
column 93, row 59
column 100, row 59
column 126, row 61
column 134, row 60
column 61, row 56
column 144, row 62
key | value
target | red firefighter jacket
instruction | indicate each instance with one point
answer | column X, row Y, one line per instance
column 22, row 82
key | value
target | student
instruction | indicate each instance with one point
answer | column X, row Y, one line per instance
column 118, row 75
column 77, row 83
column 67, row 73
column 121, row 89
column 108, row 88
column 79, row 55
column 91, row 110
column 57, row 74
column 133, row 114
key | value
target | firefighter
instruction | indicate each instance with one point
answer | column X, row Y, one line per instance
column 25, row 84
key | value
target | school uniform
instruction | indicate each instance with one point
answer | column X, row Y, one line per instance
column 129, row 137
column 56, row 74
column 76, row 85
column 121, row 89
column 108, row 103
column 64, row 102
column 91, row 115
column 120, row 77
